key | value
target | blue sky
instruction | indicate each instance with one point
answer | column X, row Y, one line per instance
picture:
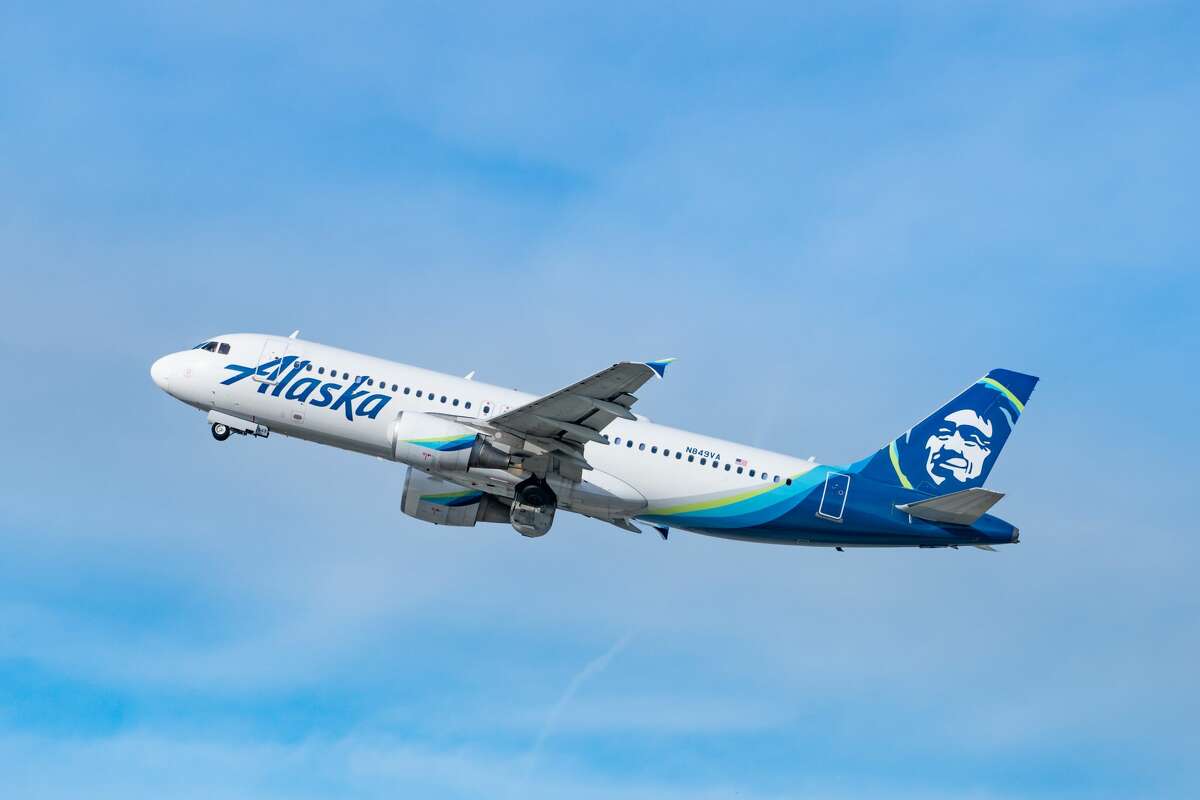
column 835, row 217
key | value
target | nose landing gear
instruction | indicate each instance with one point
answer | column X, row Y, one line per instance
column 225, row 425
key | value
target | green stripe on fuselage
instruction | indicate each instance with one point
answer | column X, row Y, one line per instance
column 720, row 502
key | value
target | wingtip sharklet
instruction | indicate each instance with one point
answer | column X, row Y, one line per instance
column 659, row 366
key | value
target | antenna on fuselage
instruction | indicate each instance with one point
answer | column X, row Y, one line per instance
column 294, row 334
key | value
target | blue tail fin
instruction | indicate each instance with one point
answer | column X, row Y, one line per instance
column 955, row 447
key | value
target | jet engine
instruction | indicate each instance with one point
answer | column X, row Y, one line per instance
column 431, row 442
column 441, row 502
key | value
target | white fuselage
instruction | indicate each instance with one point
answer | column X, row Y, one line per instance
column 645, row 467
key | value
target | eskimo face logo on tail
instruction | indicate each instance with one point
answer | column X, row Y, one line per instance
column 956, row 447
column 959, row 447
column 352, row 401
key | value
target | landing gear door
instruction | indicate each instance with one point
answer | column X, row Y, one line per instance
column 833, row 498
column 270, row 362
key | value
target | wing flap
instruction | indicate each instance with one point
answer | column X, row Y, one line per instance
column 576, row 415
column 957, row 508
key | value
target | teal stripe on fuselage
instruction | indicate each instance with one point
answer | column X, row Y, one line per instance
column 751, row 512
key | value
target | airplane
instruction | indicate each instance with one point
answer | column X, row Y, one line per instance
column 480, row 453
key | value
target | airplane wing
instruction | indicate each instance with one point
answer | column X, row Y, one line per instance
column 568, row 419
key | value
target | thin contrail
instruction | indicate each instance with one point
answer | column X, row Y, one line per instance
column 590, row 670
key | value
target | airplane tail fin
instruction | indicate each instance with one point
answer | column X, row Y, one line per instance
column 955, row 447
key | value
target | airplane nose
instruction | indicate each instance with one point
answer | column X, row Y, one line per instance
column 160, row 372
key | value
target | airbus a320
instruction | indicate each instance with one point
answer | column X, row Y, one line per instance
column 480, row 453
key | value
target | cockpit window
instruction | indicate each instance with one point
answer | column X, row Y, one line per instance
column 223, row 348
column 213, row 347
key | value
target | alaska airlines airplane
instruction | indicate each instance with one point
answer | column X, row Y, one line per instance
column 480, row 453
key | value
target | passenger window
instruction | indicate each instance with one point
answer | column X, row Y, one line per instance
column 443, row 398
column 716, row 464
column 308, row 367
column 467, row 404
column 223, row 349
column 487, row 409
column 666, row 452
column 739, row 470
column 418, row 392
column 394, row 387
column 691, row 459
column 431, row 397
column 370, row 382
column 406, row 389
column 320, row 370
column 788, row 481
column 642, row 446
column 617, row 440
column 775, row 479
column 751, row 473
column 762, row 475
column 727, row 468
column 654, row 449
column 629, row 442
column 455, row 402
column 703, row 461
column 678, row 455
column 345, row 376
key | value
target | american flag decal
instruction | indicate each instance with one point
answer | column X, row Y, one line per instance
column 741, row 462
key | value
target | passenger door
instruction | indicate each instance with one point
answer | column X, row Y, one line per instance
column 273, row 350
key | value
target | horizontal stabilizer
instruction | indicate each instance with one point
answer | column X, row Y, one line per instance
column 958, row 508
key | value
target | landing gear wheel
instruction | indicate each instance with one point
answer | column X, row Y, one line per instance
column 533, row 491
column 220, row 432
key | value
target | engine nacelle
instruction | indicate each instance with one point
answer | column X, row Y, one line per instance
column 429, row 442
column 441, row 502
